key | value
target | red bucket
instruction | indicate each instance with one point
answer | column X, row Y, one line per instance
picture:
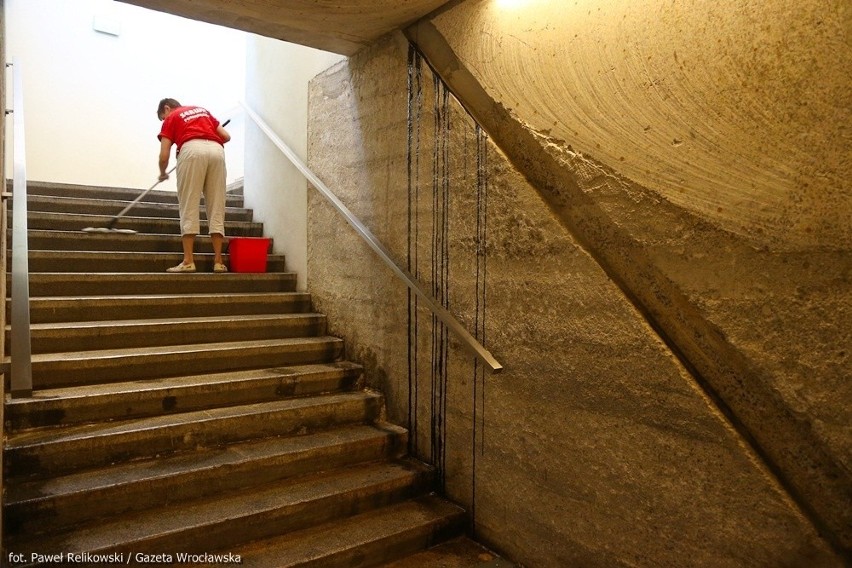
column 248, row 254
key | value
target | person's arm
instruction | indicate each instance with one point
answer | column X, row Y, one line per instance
column 165, row 151
column 223, row 134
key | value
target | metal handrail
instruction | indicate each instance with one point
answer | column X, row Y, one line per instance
column 442, row 313
column 21, row 354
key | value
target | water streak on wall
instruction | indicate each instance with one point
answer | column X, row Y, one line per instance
column 435, row 222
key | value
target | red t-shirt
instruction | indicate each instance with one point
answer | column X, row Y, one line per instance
column 188, row 123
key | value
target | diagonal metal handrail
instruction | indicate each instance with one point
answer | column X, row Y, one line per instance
column 442, row 313
column 21, row 353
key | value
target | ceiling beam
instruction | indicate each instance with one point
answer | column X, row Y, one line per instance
column 339, row 26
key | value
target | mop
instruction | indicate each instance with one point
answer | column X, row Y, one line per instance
column 110, row 228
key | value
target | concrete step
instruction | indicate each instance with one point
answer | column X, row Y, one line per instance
column 360, row 541
column 118, row 334
column 73, row 499
column 181, row 413
column 141, row 242
column 117, row 261
column 49, row 452
column 118, row 401
column 134, row 283
column 110, row 207
column 48, row 189
column 75, row 368
column 238, row 517
column 460, row 552
column 79, row 221
column 93, row 308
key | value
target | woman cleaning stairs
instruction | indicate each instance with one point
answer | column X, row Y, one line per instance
column 199, row 140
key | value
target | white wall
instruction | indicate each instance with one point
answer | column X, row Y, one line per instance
column 278, row 73
column 91, row 101
column 91, row 98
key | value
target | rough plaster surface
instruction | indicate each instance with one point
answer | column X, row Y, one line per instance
column 595, row 447
column 738, row 111
column 759, row 312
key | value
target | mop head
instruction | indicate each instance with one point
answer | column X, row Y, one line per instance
column 108, row 230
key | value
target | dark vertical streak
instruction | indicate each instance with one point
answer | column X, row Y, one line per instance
column 412, row 355
column 415, row 109
column 418, row 121
column 484, row 254
column 440, row 266
column 435, row 438
column 445, row 261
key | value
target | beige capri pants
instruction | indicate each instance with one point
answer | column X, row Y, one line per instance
column 201, row 171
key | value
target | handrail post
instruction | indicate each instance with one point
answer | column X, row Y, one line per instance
column 442, row 313
column 21, row 353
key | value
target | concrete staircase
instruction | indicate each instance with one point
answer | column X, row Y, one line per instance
column 195, row 413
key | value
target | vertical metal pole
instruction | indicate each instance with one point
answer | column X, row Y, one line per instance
column 22, row 374
column 3, row 259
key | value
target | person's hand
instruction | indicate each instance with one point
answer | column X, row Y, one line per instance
column 164, row 177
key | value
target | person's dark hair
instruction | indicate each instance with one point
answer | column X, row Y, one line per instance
column 162, row 106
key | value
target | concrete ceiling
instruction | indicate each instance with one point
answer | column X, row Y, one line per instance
column 339, row 26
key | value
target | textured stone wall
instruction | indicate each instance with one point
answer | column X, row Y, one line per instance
column 734, row 240
column 595, row 446
column 738, row 111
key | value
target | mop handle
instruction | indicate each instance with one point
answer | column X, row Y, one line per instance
column 138, row 199
column 144, row 193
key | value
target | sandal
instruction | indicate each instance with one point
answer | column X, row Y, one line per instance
column 182, row 268
column 219, row 267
